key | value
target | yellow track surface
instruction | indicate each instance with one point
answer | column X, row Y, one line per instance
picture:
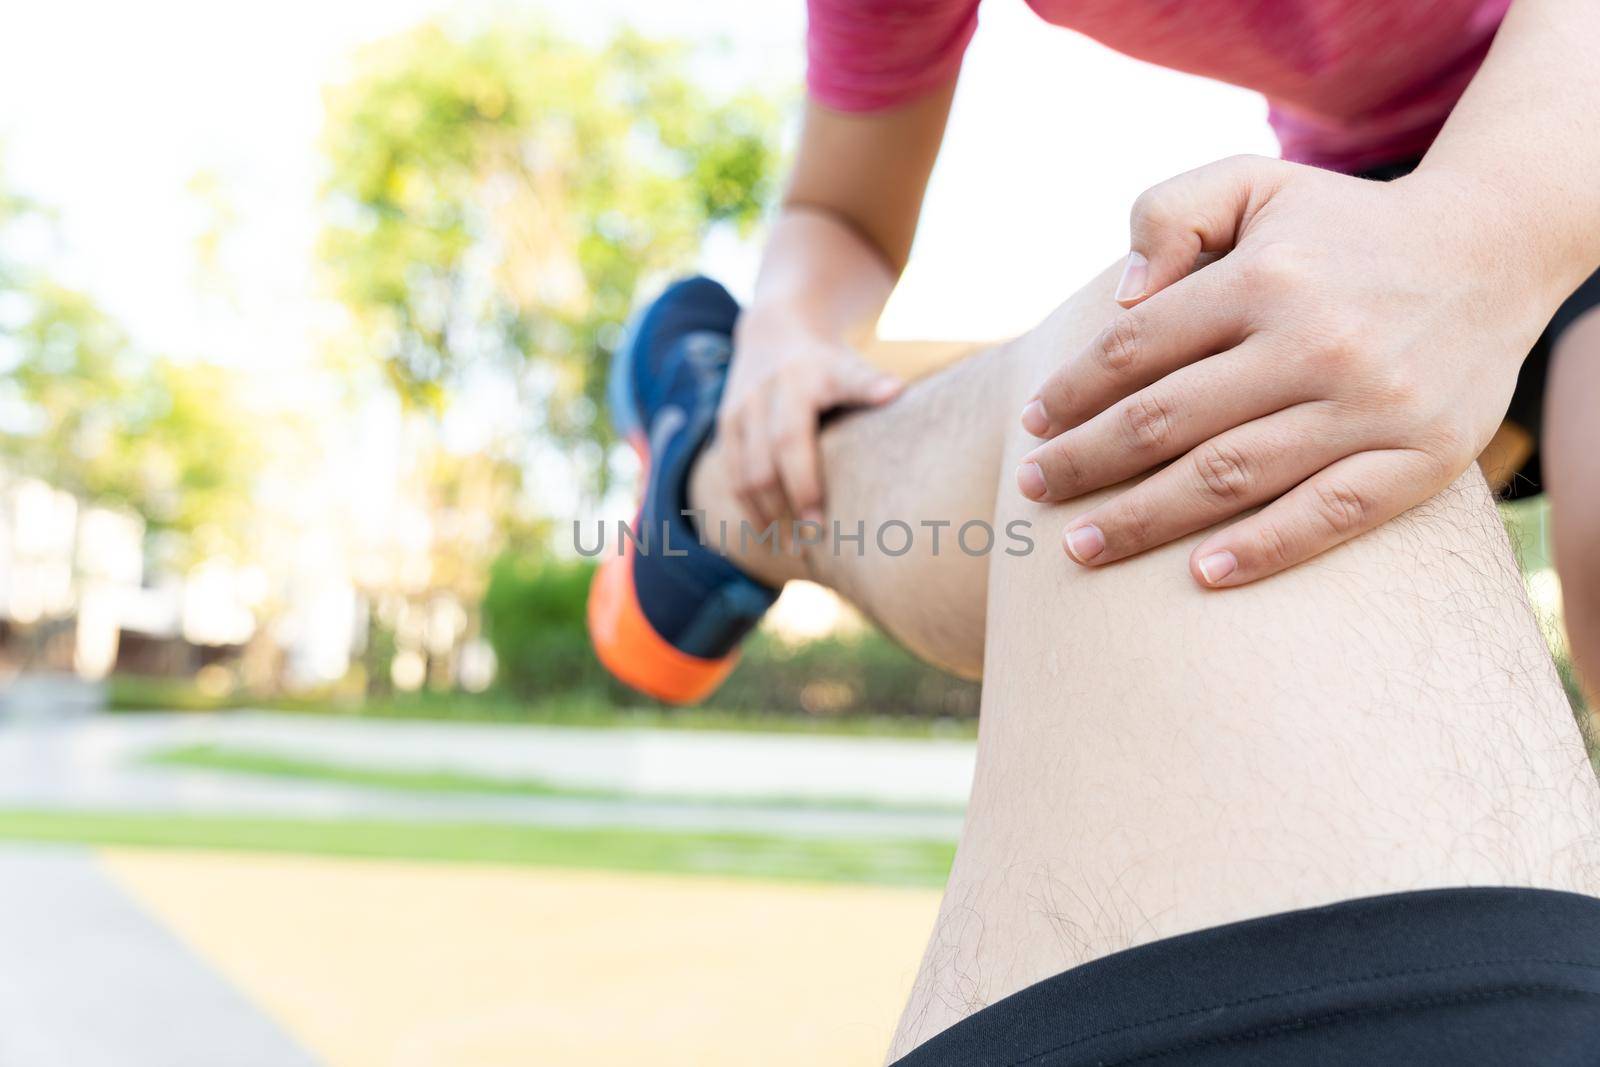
column 377, row 963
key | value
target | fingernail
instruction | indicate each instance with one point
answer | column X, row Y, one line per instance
column 1134, row 277
column 885, row 388
column 1034, row 420
column 1084, row 543
column 811, row 515
column 1030, row 479
column 1217, row 566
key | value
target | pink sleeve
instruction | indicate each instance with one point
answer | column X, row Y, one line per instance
column 867, row 55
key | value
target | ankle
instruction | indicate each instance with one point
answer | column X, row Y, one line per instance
column 727, row 529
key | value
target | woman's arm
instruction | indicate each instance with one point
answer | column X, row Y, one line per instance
column 1528, row 131
column 1357, row 346
column 836, row 250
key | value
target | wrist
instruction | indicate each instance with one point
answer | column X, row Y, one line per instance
column 1497, row 229
column 778, row 316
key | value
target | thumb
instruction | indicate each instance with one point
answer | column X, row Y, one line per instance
column 1203, row 210
column 851, row 380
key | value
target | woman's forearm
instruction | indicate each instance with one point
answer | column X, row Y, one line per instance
column 1528, row 130
column 820, row 271
column 849, row 215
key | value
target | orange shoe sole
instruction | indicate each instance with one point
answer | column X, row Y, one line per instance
column 629, row 647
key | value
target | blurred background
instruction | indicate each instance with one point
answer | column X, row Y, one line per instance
column 304, row 315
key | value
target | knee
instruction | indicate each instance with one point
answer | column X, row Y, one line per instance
column 1069, row 330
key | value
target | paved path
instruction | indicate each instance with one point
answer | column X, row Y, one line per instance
column 89, row 978
column 148, row 958
column 689, row 780
column 392, row 963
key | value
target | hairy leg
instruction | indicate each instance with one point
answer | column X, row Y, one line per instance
column 1155, row 758
column 1572, row 473
column 909, row 475
column 952, row 421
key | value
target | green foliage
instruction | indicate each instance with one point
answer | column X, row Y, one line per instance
column 534, row 611
column 843, row 675
column 103, row 421
column 134, row 692
column 534, row 616
column 85, row 410
column 14, row 210
column 267, row 763
column 594, row 711
column 496, row 198
column 887, row 861
column 1528, row 526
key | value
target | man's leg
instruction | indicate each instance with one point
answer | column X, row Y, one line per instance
column 906, row 476
column 666, row 615
column 1156, row 758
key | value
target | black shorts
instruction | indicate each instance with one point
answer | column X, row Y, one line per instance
column 1442, row 978
column 1527, row 402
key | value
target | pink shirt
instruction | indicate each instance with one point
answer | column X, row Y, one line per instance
column 1350, row 83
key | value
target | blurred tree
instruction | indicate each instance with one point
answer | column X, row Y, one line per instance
column 84, row 410
column 498, row 197
column 90, row 414
column 493, row 201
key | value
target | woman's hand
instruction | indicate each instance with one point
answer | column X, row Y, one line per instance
column 1350, row 354
column 786, row 374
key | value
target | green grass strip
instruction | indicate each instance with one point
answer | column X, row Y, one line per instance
column 888, row 862
column 133, row 694
column 233, row 759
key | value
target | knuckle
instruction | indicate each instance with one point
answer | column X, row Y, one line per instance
column 1396, row 389
column 1223, row 472
column 1341, row 509
column 1275, row 266
column 836, row 376
column 1273, row 548
column 1336, row 357
column 1154, row 205
column 1449, row 439
column 1247, row 164
column 1256, row 170
column 800, row 475
column 1402, row 395
column 1060, row 466
column 1147, row 421
column 1056, row 392
column 804, row 385
column 756, row 477
column 1136, row 522
column 805, row 364
column 791, row 437
column 1118, row 344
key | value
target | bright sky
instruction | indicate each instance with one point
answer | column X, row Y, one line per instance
column 110, row 109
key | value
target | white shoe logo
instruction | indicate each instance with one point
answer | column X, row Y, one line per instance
column 669, row 420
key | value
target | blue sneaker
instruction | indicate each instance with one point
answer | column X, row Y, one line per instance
column 669, row 625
